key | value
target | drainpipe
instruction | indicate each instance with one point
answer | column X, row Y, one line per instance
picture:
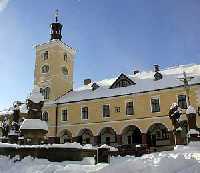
column 56, row 129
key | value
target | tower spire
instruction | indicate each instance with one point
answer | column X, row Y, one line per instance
column 56, row 28
column 56, row 15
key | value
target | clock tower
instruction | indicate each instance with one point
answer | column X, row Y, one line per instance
column 54, row 64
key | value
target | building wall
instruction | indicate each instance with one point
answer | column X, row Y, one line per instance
column 143, row 117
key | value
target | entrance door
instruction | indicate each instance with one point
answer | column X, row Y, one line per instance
column 108, row 140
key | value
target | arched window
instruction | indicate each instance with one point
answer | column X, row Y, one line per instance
column 46, row 93
column 65, row 57
column 45, row 69
column 64, row 70
column 45, row 116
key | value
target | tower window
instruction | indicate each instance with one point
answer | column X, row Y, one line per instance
column 45, row 69
column 45, row 116
column 46, row 93
column 84, row 112
column 64, row 115
column 45, row 55
column 155, row 104
column 65, row 57
column 64, row 70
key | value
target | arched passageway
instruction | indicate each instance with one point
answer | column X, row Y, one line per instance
column 85, row 136
column 131, row 135
column 65, row 136
column 107, row 136
column 158, row 135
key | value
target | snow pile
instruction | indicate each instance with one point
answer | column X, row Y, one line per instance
column 88, row 146
column 110, row 147
column 34, row 124
column 193, row 132
column 184, row 159
column 36, row 96
column 66, row 145
column 23, row 109
column 191, row 110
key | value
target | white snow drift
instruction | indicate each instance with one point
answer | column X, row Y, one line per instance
column 184, row 159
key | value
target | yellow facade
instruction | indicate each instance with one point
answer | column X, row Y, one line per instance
column 143, row 118
column 58, row 82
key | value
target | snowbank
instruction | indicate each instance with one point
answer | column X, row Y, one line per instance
column 184, row 159
column 66, row 145
column 107, row 146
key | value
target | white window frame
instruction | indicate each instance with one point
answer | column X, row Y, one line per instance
column 186, row 98
column 102, row 110
column 61, row 117
column 82, row 113
column 130, row 100
column 155, row 97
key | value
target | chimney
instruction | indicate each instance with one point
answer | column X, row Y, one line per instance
column 87, row 81
column 156, row 67
column 136, row 71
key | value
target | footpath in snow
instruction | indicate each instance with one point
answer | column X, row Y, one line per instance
column 184, row 159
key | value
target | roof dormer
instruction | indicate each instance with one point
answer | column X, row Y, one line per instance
column 122, row 81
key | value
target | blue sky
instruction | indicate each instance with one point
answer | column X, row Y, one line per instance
column 111, row 37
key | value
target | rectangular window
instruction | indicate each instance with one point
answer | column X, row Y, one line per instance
column 45, row 55
column 84, row 113
column 129, row 108
column 64, row 115
column 182, row 101
column 117, row 109
column 155, row 105
column 106, row 111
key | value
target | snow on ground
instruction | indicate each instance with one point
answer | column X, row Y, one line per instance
column 184, row 159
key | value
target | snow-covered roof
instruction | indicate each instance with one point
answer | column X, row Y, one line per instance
column 144, row 82
column 34, row 124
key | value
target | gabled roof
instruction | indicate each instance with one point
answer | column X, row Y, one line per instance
column 144, row 82
column 122, row 81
